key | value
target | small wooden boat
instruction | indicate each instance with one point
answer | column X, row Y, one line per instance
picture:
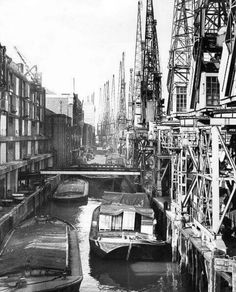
column 41, row 254
column 72, row 189
column 123, row 227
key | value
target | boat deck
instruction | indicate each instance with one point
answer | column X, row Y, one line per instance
column 42, row 245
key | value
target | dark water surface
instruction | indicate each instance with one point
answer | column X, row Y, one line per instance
column 115, row 276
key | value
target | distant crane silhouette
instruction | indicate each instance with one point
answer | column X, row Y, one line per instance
column 32, row 72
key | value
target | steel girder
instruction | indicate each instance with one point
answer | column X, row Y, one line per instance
column 180, row 50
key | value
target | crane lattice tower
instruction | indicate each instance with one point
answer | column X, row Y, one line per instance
column 180, row 56
column 151, row 84
column 138, row 72
column 122, row 96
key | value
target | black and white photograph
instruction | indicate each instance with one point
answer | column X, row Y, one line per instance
column 118, row 145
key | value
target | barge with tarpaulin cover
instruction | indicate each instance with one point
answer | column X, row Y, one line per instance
column 73, row 189
column 123, row 227
column 41, row 254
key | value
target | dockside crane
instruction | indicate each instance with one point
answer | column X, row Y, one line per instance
column 113, row 114
column 198, row 143
column 204, row 91
column 2, row 67
column 121, row 114
column 209, row 18
column 130, row 100
column 104, row 130
column 31, row 71
column 180, row 57
column 148, row 102
column 152, row 102
column 130, row 122
column 107, row 115
column 137, row 98
column 138, row 72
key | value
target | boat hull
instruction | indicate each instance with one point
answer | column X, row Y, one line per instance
column 122, row 228
column 71, row 198
column 69, row 194
column 158, row 251
column 71, row 286
column 36, row 247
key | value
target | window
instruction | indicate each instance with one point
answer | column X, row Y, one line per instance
column 116, row 222
column 3, row 153
column 2, row 188
column 23, row 148
column 32, row 147
column 181, row 99
column 11, row 151
column 128, row 220
column 104, row 222
column 23, row 88
column 17, row 86
column 11, row 127
column 212, row 91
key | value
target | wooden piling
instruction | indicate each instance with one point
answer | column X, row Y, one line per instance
column 174, row 242
column 212, row 274
column 234, row 276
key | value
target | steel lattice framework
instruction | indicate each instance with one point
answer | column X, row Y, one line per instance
column 130, row 100
column 112, row 102
column 209, row 17
column 151, row 84
column 113, row 114
column 180, row 51
column 138, row 71
column 121, row 114
column 202, row 164
column 2, row 67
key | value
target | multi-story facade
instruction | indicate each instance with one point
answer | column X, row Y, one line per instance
column 89, row 121
column 60, row 103
column 66, row 129
column 88, row 135
column 59, row 130
column 23, row 144
column 89, row 110
column 65, row 122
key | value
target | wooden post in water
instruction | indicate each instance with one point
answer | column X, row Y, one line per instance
column 129, row 250
column 212, row 274
column 168, row 231
column 234, row 276
column 197, row 274
column 174, row 242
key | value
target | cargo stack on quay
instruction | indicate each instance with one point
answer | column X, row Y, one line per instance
column 178, row 150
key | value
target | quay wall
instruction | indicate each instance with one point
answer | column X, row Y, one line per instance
column 28, row 206
column 202, row 263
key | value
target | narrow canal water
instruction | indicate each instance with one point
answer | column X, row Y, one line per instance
column 115, row 276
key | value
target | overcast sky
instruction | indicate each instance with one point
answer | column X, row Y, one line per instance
column 83, row 39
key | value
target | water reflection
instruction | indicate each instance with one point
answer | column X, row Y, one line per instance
column 114, row 276
column 138, row 276
column 68, row 211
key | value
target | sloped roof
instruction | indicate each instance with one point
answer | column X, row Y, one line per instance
column 116, row 203
column 133, row 199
